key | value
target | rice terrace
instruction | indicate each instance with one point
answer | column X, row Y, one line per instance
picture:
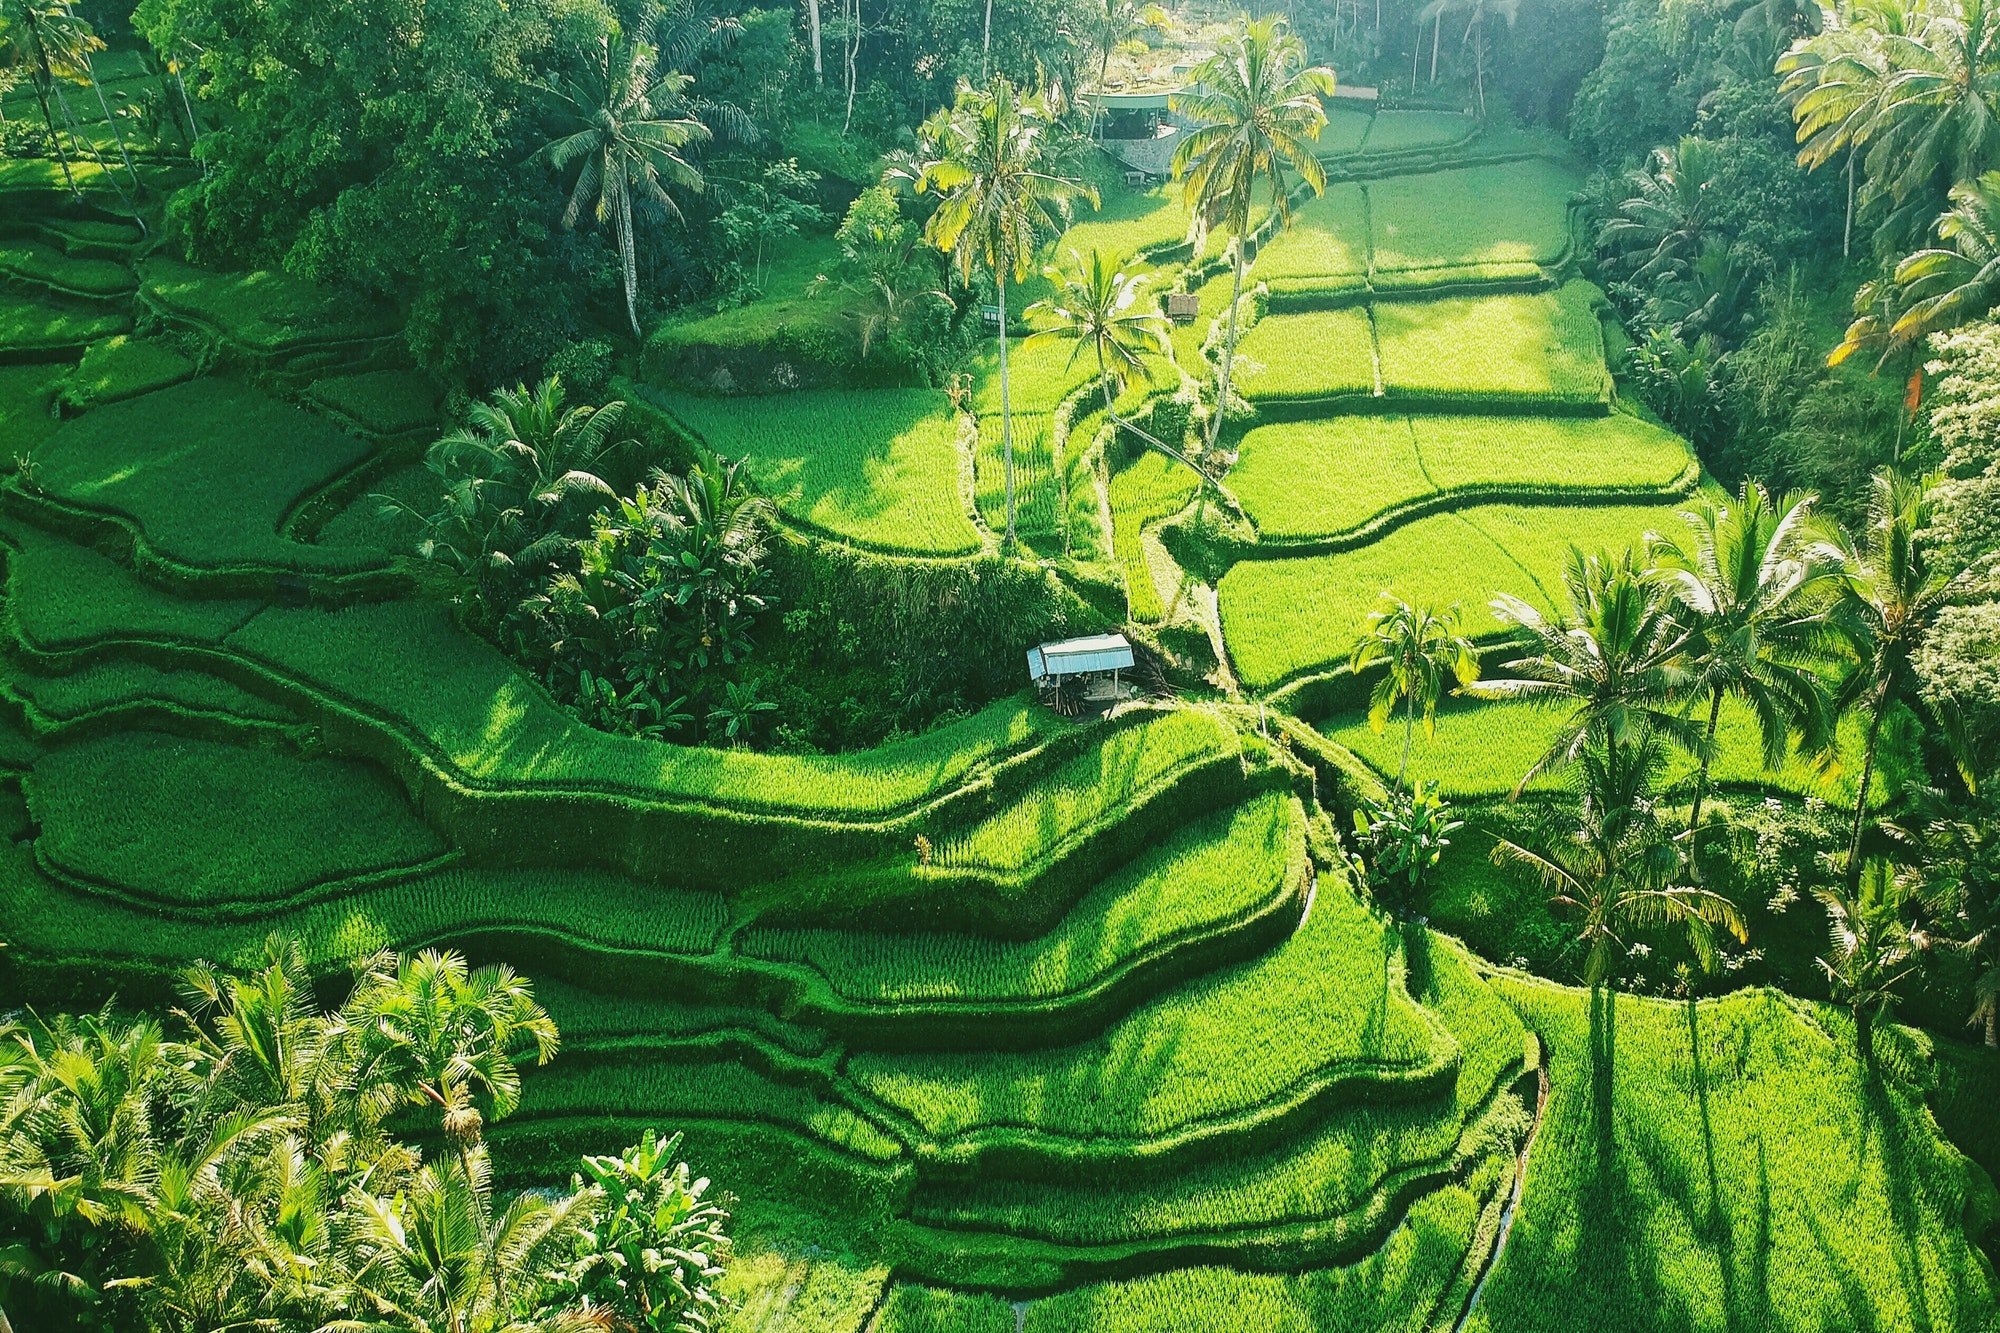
column 1060, row 665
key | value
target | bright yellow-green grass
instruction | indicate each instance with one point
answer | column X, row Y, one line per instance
column 1307, row 479
column 1734, row 1165
column 1152, row 487
column 1539, row 536
column 879, row 467
column 1281, row 618
column 1558, row 452
column 1187, row 338
column 1408, row 131
column 1346, row 126
column 1484, row 749
column 790, row 300
column 1328, row 238
column 1516, row 212
column 1544, row 346
column 1320, row 354
column 1037, row 489
column 1039, row 374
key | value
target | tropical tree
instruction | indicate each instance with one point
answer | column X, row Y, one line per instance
column 1949, row 284
column 1744, row 576
column 1660, row 227
column 1613, row 655
column 1957, row 839
column 630, row 144
column 1095, row 304
column 1251, row 110
column 655, row 1245
column 1615, row 867
column 54, row 41
column 1891, row 590
column 1418, row 647
column 984, row 157
column 432, row 1031
column 1912, row 86
column 437, row 1257
column 518, row 479
column 1871, row 947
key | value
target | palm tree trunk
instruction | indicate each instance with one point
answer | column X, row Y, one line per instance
column 48, row 119
column 985, row 54
column 124, row 153
column 1437, row 35
column 1861, row 796
column 1847, row 232
column 1409, row 733
column 1228, row 346
column 812, row 19
column 628, row 259
column 1701, row 781
column 1006, row 415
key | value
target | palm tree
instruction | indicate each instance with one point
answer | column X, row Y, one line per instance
column 1891, row 590
column 630, row 144
column 1948, row 284
column 430, row 1031
column 1615, row 867
column 1094, row 303
column 1660, row 227
column 52, row 40
column 1613, row 655
column 1419, row 646
column 1871, row 947
column 1744, row 578
column 1958, row 837
column 518, row 477
column 434, row 1257
column 1251, row 110
column 1913, row 86
column 983, row 156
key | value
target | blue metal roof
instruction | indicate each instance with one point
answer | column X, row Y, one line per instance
column 1098, row 652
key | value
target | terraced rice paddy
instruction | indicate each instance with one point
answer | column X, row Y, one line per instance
column 1021, row 1023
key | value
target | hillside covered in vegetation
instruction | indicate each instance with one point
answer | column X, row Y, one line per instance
column 523, row 809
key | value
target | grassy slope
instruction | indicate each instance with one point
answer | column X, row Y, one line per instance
column 1732, row 1166
column 879, row 467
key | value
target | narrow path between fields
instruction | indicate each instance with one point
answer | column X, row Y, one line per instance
column 1513, row 1207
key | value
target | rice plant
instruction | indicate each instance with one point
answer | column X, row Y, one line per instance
column 1516, row 212
column 877, row 467
column 1303, row 480
column 1544, row 347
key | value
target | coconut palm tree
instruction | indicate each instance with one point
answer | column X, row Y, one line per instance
column 1252, row 109
column 1095, row 304
column 984, row 156
column 1871, row 946
column 1615, row 867
column 1891, row 590
column 52, row 40
column 1913, row 86
column 1660, row 227
column 626, row 134
column 436, row 1257
column 1418, row 646
column 1744, row 576
column 518, row 477
column 1959, row 280
column 1612, row 655
column 432, row 1031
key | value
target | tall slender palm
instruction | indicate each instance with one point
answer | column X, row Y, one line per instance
column 1615, row 867
column 1252, row 109
column 630, row 143
column 52, row 39
column 1419, row 646
column 1913, row 86
column 1744, row 576
column 431, row 1031
column 1891, row 590
column 984, row 157
column 1613, row 655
